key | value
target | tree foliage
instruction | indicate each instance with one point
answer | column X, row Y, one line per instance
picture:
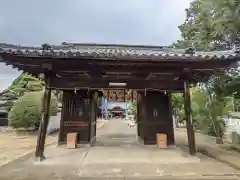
column 27, row 110
column 207, row 109
column 211, row 24
column 134, row 108
column 177, row 102
column 22, row 84
column 46, row 47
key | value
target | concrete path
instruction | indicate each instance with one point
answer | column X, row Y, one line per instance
column 117, row 154
column 207, row 145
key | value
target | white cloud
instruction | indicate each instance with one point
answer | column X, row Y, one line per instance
column 6, row 81
column 7, row 75
column 105, row 21
column 32, row 22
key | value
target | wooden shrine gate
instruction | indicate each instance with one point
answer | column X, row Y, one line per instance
column 149, row 70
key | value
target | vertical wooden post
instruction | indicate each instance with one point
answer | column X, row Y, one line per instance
column 171, row 130
column 96, row 114
column 143, row 129
column 187, row 108
column 61, row 129
column 93, row 118
column 137, row 115
column 44, row 121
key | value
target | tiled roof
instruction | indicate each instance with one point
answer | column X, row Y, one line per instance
column 116, row 51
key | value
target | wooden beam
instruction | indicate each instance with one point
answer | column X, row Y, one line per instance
column 188, row 116
column 36, row 65
column 118, row 69
column 85, row 79
column 148, row 76
column 70, row 63
column 47, row 66
column 99, row 83
column 44, row 121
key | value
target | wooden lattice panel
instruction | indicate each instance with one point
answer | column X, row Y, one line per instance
column 119, row 94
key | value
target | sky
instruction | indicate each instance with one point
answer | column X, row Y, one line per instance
column 141, row 22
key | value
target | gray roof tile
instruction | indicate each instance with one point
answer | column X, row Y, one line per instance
column 116, row 51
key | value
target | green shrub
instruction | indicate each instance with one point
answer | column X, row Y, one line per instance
column 21, row 85
column 27, row 110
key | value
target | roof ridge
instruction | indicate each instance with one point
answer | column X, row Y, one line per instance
column 116, row 45
column 106, row 50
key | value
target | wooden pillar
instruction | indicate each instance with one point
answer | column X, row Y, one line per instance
column 61, row 129
column 44, row 121
column 141, row 116
column 137, row 115
column 93, row 118
column 171, row 127
column 187, row 108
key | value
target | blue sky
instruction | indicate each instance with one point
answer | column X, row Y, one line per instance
column 34, row 22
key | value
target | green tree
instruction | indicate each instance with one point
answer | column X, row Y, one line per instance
column 182, row 44
column 177, row 102
column 22, row 84
column 212, row 24
column 134, row 109
column 46, row 46
column 208, row 108
column 27, row 110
